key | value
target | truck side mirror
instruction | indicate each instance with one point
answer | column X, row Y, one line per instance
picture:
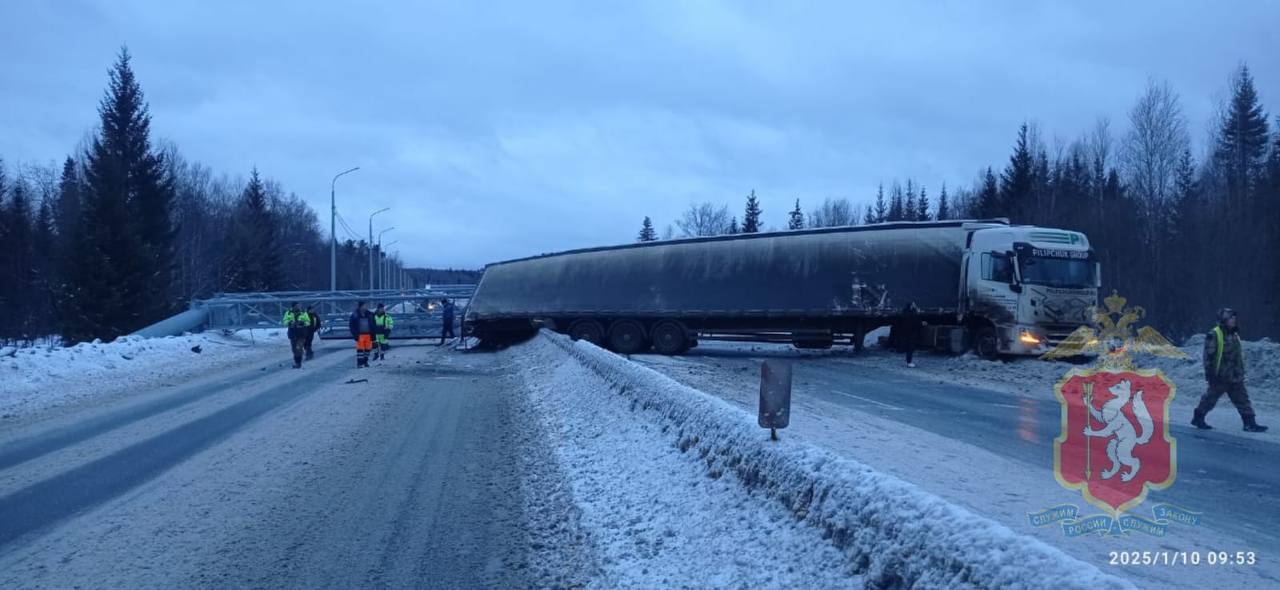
column 1016, row 285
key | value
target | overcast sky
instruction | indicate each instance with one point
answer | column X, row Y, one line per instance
column 495, row 130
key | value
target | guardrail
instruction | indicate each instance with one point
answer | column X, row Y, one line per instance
column 416, row 311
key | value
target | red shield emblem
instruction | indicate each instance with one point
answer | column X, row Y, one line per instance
column 1115, row 443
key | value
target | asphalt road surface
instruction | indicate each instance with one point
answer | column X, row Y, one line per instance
column 267, row 476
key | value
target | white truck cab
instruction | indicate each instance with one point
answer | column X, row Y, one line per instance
column 1026, row 288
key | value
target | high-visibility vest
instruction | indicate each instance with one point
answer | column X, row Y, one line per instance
column 1220, row 337
column 296, row 320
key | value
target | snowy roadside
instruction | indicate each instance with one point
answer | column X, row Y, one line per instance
column 35, row 380
column 733, row 506
column 957, row 471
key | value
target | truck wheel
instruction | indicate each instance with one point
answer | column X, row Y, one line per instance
column 985, row 344
column 626, row 337
column 669, row 337
column 589, row 330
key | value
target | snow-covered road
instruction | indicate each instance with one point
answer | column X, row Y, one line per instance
column 550, row 464
column 263, row 476
column 990, row 448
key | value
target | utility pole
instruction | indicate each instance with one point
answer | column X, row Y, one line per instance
column 371, row 244
column 333, row 230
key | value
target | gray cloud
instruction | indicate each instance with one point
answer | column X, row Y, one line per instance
column 497, row 130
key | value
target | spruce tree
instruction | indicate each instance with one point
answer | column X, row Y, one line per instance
column 120, row 280
column 20, row 277
column 989, row 205
column 254, row 263
column 8, row 308
column 922, row 211
column 895, row 203
column 1017, row 180
column 44, row 266
column 944, row 208
column 66, row 211
column 751, row 220
column 733, row 226
column 910, row 206
column 795, row 219
column 882, row 209
column 1242, row 139
column 647, row 234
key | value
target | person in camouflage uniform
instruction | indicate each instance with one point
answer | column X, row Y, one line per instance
column 1224, row 370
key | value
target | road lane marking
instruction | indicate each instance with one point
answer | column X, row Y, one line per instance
column 868, row 400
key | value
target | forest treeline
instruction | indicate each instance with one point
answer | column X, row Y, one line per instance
column 126, row 231
column 1179, row 235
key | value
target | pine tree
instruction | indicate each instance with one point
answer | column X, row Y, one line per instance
column 1239, row 158
column 20, row 277
column 1017, row 181
column 909, row 207
column 120, row 280
column 751, row 220
column 795, row 219
column 733, row 226
column 44, row 266
column 895, row 203
column 882, row 209
column 8, row 307
column 67, row 209
column 944, row 208
column 1242, row 139
column 647, row 234
column 254, row 262
column 989, row 204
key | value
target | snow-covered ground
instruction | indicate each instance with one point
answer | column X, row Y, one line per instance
column 678, row 486
column 37, row 379
column 989, row 483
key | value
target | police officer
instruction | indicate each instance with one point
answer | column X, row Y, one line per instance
column 298, row 324
column 1224, row 370
column 361, row 326
column 382, row 325
column 311, row 332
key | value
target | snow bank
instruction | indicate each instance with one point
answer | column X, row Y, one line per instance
column 37, row 378
column 893, row 533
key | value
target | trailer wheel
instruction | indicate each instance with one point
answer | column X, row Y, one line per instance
column 589, row 330
column 626, row 337
column 669, row 337
column 984, row 343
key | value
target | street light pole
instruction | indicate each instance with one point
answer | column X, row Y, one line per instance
column 333, row 230
column 371, row 244
column 387, row 266
column 382, row 253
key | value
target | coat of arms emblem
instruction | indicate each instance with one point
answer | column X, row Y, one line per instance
column 1115, row 445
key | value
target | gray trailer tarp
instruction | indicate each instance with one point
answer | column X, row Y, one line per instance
column 861, row 271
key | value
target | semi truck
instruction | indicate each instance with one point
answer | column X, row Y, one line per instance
column 986, row 285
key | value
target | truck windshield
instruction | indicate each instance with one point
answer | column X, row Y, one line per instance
column 1057, row 272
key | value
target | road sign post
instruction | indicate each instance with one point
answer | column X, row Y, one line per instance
column 775, row 396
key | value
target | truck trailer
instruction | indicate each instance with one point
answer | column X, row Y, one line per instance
column 997, row 288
